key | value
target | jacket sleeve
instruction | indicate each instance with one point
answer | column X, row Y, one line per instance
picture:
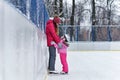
column 55, row 45
column 54, row 34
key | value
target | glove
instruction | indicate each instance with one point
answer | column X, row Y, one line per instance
column 52, row 42
column 60, row 45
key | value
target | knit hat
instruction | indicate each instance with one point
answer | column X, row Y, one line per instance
column 57, row 19
column 67, row 38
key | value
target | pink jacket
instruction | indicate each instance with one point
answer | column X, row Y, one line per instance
column 63, row 49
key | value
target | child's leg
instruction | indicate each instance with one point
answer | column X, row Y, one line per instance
column 64, row 63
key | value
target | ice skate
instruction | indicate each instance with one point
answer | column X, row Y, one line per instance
column 62, row 72
column 53, row 72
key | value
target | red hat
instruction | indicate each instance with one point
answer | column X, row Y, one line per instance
column 57, row 20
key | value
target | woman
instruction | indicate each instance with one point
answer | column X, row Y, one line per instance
column 52, row 35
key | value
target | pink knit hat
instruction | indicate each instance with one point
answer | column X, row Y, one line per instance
column 57, row 20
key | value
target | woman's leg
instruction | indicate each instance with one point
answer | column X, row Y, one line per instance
column 52, row 58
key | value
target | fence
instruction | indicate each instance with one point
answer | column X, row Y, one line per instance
column 34, row 10
column 91, row 33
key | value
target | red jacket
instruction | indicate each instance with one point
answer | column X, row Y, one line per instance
column 51, row 33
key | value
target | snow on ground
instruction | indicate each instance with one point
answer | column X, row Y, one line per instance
column 90, row 65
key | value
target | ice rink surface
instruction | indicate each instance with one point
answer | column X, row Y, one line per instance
column 90, row 65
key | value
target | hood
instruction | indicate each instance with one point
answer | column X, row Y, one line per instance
column 49, row 21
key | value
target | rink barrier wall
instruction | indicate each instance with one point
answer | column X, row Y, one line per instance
column 23, row 50
column 94, row 46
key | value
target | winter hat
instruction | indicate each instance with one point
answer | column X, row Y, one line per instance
column 57, row 19
column 67, row 38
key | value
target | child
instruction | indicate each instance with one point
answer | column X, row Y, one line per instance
column 63, row 53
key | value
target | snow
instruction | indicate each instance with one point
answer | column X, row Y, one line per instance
column 90, row 65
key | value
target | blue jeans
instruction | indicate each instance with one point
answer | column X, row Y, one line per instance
column 52, row 58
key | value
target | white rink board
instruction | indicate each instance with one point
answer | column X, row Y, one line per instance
column 23, row 51
column 95, row 46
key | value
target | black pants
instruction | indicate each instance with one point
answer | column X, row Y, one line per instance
column 52, row 58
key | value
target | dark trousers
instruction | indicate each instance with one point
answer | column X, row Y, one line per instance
column 52, row 58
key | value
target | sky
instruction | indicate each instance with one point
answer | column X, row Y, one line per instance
column 118, row 7
column 69, row 1
column 117, row 2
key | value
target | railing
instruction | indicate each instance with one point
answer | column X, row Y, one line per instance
column 91, row 33
column 34, row 10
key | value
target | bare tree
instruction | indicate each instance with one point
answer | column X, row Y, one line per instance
column 80, row 10
column 93, row 34
column 61, row 8
column 55, row 7
column 72, row 20
column 93, row 13
column 73, row 12
column 109, row 5
column 50, row 7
